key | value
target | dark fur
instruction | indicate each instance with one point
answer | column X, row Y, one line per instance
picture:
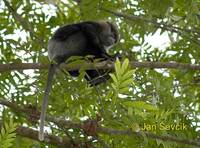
column 93, row 46
column 81, row 39
column 91, row 31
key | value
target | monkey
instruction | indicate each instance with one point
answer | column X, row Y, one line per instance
column 79, row 39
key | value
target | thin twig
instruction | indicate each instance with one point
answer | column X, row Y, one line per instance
column 188, row 33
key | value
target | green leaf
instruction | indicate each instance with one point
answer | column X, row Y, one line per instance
column 124, row 90
column 113, row 78
column 141, row 105
column 126, row 83
column 118, row 69
column 130, row 111
column 128, row 75
column 8, row 135
column 123, row 77
column 125, row 65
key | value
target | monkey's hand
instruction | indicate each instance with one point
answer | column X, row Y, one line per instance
column 117, row 55
column 112, row 58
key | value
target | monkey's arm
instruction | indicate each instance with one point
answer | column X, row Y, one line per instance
column 52, row 70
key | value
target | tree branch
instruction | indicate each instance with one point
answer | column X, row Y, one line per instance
column 61, row 142
column 31, row 114
column 72, row 125
column 193, row 35
column 101, row 65
column 50, row 139
column 150, row 135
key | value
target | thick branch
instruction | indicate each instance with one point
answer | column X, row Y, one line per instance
column 68, row 124
column 102, row 65
column 61, row 142
column 50, row 139
column 173, row 65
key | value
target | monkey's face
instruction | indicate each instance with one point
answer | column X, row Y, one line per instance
column 109, row 36
column 108, row 39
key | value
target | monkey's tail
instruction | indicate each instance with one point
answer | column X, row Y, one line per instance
column 52, row 70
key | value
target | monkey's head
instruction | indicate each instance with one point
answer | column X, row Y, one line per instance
column 109, row 34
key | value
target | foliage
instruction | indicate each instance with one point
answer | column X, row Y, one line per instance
column 133, row 96
column 123, row 76
column 8, row 134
